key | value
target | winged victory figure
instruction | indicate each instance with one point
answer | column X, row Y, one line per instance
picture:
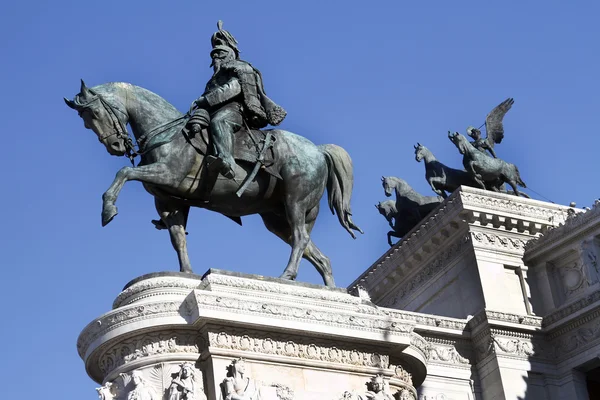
column 493, row 127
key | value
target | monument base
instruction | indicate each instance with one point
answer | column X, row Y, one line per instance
column 170, row 334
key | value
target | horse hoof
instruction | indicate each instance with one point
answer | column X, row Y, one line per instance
column 108, row 213
column 288, row 276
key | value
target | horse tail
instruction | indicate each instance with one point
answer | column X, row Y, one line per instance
column 519, row 180
column 339, row 185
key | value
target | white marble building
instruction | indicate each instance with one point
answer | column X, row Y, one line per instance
column 490, row 297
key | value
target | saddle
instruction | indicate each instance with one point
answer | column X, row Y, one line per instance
column 247, row 146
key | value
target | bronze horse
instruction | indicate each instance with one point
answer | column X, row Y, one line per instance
column 171, row 170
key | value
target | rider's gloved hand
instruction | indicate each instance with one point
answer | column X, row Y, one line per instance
column 200, row 102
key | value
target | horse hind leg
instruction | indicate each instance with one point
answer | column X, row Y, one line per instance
column 175, row 219
column 280, row 227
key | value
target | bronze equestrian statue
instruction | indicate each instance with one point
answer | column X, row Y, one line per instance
column 288, row 173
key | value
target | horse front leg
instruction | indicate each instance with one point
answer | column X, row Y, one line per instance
column 434, row 182
column 470, row 167
column 156, row 174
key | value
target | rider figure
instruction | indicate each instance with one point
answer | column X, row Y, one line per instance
column 234, row 97
column 479, row 143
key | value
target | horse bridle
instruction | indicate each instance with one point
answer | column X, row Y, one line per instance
column 120, row 130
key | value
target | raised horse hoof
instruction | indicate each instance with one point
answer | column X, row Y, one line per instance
column 108, row 213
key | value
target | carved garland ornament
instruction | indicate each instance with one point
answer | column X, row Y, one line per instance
column 148, row 345
column 291, row 348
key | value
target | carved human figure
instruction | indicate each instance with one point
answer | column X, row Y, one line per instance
column 140, row 390
column 234, row 97
column 376, row 390
column 182, row 387
column 238, row 385
column 405, row 394
column 105, row 391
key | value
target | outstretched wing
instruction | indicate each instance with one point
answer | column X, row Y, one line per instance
column 493, row 122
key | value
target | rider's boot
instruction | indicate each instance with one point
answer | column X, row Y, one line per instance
column 224, row 167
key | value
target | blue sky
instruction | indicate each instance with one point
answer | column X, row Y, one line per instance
column 373, row 77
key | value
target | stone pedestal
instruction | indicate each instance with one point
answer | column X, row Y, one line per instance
column 299, row 341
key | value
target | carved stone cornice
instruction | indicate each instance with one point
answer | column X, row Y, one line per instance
column 126, row 315
column 316, row 316
column 571, row 308
column 495, row 317
column 155, row 287
column 406, row 288
column 218, row 280
column 576, row 336
column 147, row 345
column 573, row 226
column 513, row 221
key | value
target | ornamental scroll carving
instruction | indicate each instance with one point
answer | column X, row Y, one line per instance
column 499, row 241
column 148, row 345
column 294, row 348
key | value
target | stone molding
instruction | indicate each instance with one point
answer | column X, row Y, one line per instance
column 571, row 308
column 322, row 293
column 493, row 201
column 146, row 345
column 569, row 227
column 430, row 271
column 516, row 218
column 583, row 338
column 339, row 318
column 160, row 286
column 297, row 347
column 122, row 316
column 491, row 316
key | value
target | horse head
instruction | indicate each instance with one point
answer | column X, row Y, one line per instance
column 386, row 208
column 387, row 185
column 419, row 151
column 102, row 118
column 459, row 141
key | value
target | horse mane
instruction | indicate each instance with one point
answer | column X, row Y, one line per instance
column 425, row 150
column 118, row 90
column 404, row 189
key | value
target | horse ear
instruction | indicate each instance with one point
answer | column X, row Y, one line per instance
column 415, row 146
column 70, row 103
column 418, row 144
column 84, row 90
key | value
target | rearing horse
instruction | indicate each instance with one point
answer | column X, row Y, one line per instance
column 171, row 170
column 440, row 177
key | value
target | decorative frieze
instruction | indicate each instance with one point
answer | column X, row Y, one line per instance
column 298, row 348
column 498, row 242
column 118, row 317
column 147, row 345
